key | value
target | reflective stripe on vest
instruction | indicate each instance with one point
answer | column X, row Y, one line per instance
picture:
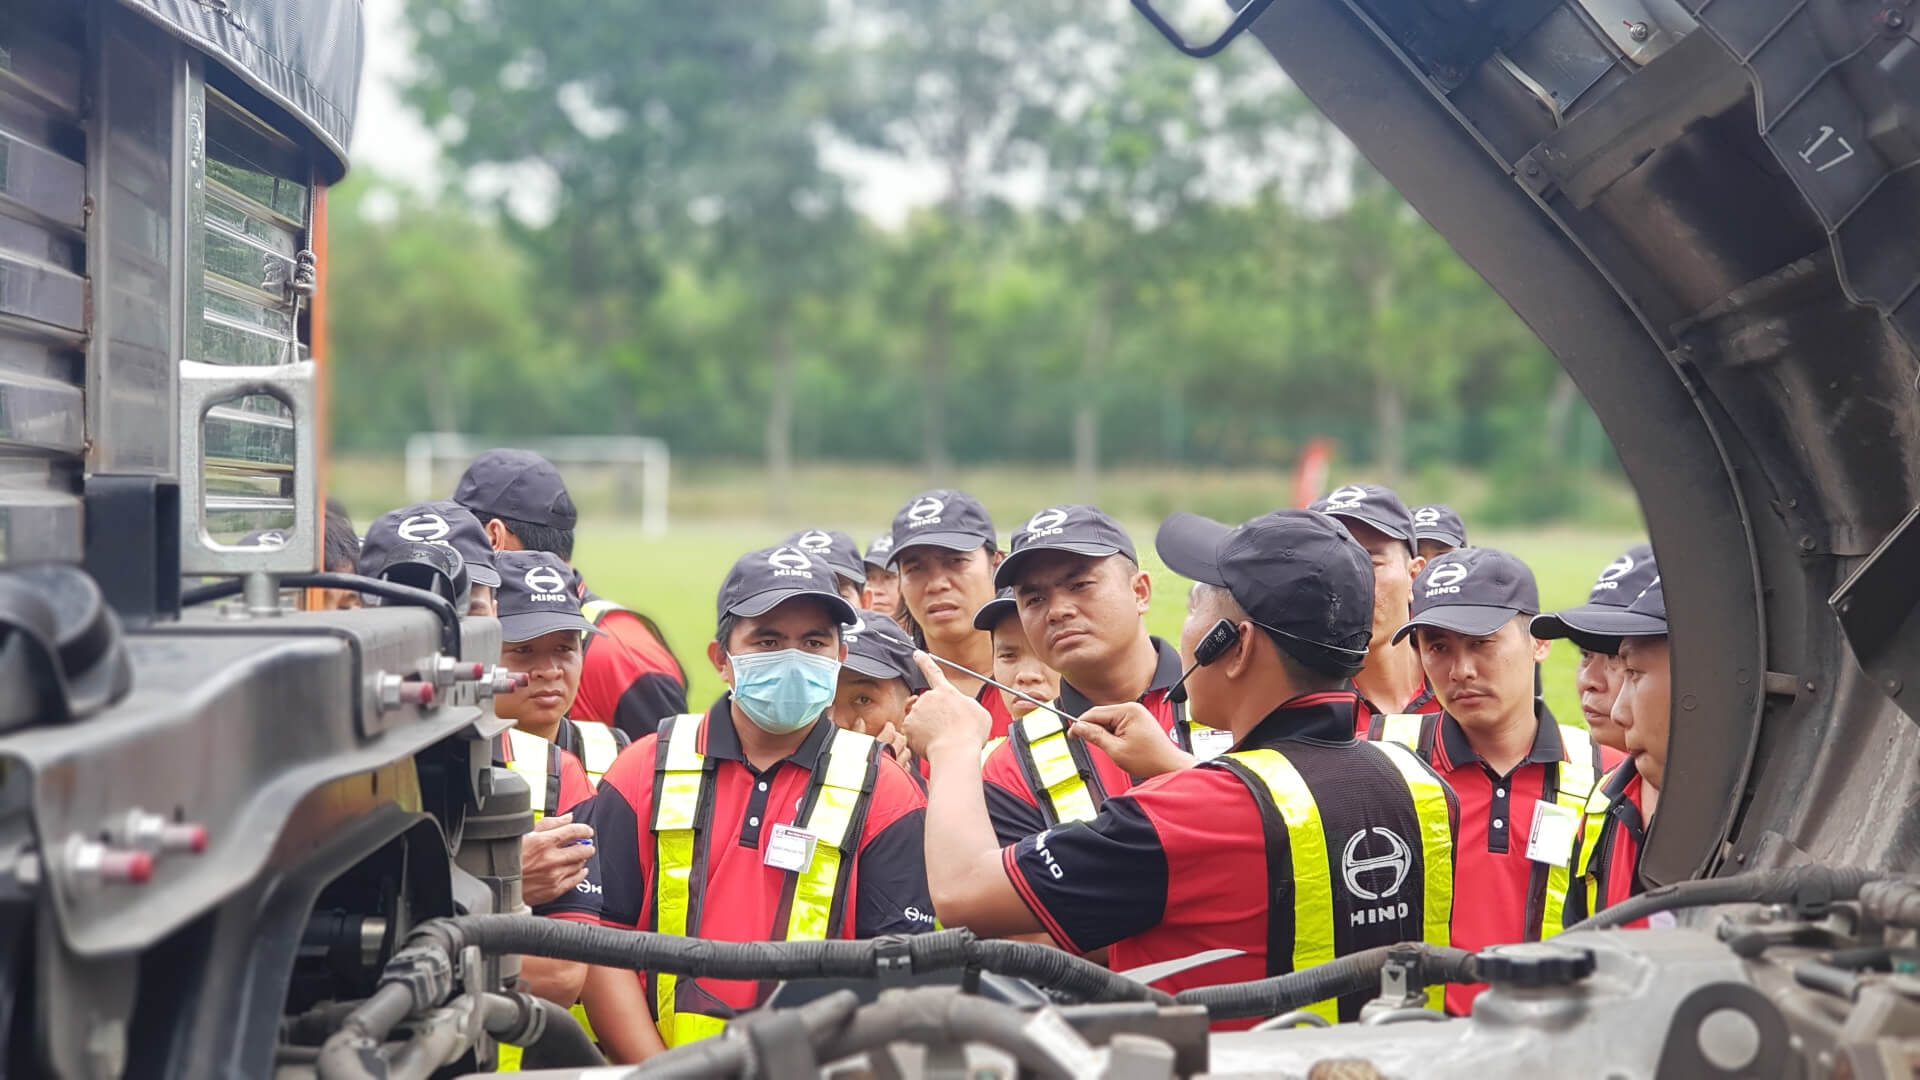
column 1313, row 870
column 598, row 747
column 1436, row 851
column 536, row 760
column 837, row 792
column 1575, row 792
column 1047, row 755
column 1402, row 729
column 1589, row 878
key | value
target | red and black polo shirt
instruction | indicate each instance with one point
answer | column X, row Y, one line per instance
column 740, row 897
column 1423, row 702
column 1180, row 864
column 629, row 678
column 1499, row 893
column 1616, row 856
column 1011, row 800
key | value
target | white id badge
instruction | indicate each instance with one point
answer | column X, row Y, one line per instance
column 1210, row 742
column 1554, row 830
column 790, row 848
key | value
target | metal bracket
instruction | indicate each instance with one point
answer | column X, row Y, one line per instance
column 201, row 387
column 1242, row 19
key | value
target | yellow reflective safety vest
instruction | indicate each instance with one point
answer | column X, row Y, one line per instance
column 1611, row 818
column 537, row 761
column 833, row 812
column 1298, row 832
column 1570, row 786
column 595, row 744
column 1061, row 770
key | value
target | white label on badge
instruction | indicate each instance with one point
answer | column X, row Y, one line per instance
column 1210, row 742
column 1555, row 828
column 790, row 848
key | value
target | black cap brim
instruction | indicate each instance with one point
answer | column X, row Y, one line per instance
column 760, row 603
column 950, row 541
column 1388, row 528
column 1003, row 577
column 528, row 625
column 1432, row 534
column 1474, row 620
column 1604, row 621
column 1190, row 546
column 872, row 667
column 483, row 575
column 873, row 562
column 992, row 612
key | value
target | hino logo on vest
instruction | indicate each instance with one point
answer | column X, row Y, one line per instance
column 1617, row 569
column 815, row 543
column 1040, row 848
column 924, row 512
column 424, row 528
column 1445, row 578
column 1346, row 498
column 1386, row 872
column 1426, row 515
column 791, row 562
column 1047, row 523
column 546, row 584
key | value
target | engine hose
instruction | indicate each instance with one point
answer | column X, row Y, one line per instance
column 561, row 1042
column 1802, row 885
column 936, row 1015
column 1894, row 902
column 353, row 1052
column 733, row 1056
column 1351, row 974
column 943, row 950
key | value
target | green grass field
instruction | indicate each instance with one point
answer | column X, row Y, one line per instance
column 675, row 579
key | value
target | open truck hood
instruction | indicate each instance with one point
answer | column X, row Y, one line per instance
column 1706, row 210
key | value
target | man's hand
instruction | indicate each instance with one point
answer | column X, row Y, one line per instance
column 893, row 737
column 553, row 859
column 1132, row 737
column 945, row 718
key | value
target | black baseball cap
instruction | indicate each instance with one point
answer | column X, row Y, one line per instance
column 1471, row 590
column 519, row 485
column 445, row 522
column 878, row 648
column 1370, row 504
column 761, row 580
column 834, row 548
column 535, row 597
column 877, row 551
column 422, row 564
column 1081, row 530
column 1298, row 573
column 1438, row 522
column 265, row 538
column 991, row 612
column 944, row 518
column 1592, row 625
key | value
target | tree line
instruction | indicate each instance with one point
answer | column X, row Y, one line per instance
column 1133, row 258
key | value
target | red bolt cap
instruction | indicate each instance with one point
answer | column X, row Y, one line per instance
column 478, row 671
column 132, row 866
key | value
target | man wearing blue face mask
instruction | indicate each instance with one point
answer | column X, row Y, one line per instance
column 760, row 820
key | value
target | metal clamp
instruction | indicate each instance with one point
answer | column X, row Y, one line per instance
column 202, row 386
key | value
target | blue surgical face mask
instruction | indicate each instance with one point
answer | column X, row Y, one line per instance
column 783, row 691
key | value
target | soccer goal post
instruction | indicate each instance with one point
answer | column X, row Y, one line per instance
column 428, row 451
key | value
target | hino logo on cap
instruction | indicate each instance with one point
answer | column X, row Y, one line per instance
column 546, row 584
column 790, row 562
column 815, row 542
column 425, row 528
column 1617, row 569
column 924, row 511
column 1346, row 498
column 271, row 538
column 1047, row 523
column 1376, row 876
column 1426, row 515
column 1445, row 578
column 852, row 633
column 883, row 543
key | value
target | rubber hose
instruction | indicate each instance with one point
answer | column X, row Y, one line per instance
column 942, row 950
column 353, row 1052
column 701, row 1061
column 1349, row 974
column 1896, row 903
column 933, row 1015
column 1790, row 884
column 385, row 590
column 562, row 1045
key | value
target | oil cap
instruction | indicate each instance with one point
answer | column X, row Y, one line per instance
column 1534, row 964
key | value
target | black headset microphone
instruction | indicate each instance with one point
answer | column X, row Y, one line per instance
column 1223, row 636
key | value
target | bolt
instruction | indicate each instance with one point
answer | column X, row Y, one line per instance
column 1806, row 543
column 1533, row 168
column 1808, row 685
column 1894, row 687
column 1895, row 20
column 91, row 863
column 1639, row 31
column 154, row 833
column 1688, row 702
column 394, row 691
